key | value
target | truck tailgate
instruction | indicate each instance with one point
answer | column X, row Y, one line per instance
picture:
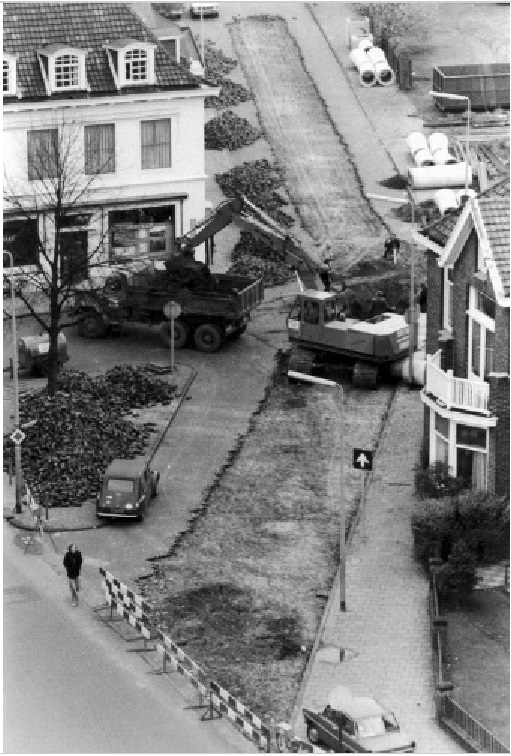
column 251, row 296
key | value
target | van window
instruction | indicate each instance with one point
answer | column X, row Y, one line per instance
column 119, row 485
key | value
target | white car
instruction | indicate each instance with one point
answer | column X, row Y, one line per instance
column 203, row 9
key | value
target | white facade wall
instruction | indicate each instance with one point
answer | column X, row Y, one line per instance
column 129, row 184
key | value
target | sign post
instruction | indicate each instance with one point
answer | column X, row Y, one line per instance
column 363, row 461
column 172, row 310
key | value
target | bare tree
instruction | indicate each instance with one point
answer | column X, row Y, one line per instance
column 406, row 23
column 61, row 173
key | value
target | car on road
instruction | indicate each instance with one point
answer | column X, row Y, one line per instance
column 367, row 727
column 175, row 10
column 128, row 486
column 204, row 9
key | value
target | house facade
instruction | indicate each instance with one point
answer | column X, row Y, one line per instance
column 466, row 394
column 92, row 80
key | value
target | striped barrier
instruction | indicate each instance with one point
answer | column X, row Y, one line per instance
column 238, row 713
column 181, row 662
column 133, row 608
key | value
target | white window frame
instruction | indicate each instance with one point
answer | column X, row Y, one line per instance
column 452, row 445
column 486, row 324
column 447, row 310
column 62, row 79
column 148, row 50
column 10, row 60
column 48, row 61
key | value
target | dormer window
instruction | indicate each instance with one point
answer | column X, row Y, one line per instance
column 131, row 62
column 63, row 68
column 136, row 65
column 67, row 71
column 9, row 81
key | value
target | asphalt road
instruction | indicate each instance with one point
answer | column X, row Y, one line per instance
column 70, row 686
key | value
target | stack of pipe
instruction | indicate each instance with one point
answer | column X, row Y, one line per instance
column 366, row 43
column 418, row 146
column 367, row 74
column 438, row 146
column 384, row 73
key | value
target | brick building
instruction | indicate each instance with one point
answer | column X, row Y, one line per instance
column 466, row 395
column 91, row 80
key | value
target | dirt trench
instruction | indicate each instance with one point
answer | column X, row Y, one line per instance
column 321, row 178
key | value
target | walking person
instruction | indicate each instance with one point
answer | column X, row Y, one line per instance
column 325, row 275
column 73, row 565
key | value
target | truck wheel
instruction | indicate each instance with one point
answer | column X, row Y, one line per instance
column 181, row 334
column 91, row 325
column 208, row 338
column 313, row 735
column 365, row 376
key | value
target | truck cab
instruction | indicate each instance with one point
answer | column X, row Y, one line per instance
column 128, row 486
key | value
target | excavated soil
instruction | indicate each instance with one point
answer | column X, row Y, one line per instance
column 320, row 176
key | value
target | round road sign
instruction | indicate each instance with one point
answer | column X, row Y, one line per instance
column 17, row 436
column 172, row 310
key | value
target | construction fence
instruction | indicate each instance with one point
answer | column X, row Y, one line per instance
column 213, row 698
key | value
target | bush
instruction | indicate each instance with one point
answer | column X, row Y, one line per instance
column 406, row 23
column 435, row 482
column 432, row 523
column 458, row 576
column 483, row 518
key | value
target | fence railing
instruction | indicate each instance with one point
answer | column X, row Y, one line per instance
column 460, row 393
column 449, row 712
column 486, row 742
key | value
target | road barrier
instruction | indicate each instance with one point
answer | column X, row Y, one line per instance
column 182, row 663
column 238, row 713
column 133, row 608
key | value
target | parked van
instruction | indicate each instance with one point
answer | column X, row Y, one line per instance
column 128, row 486
column 203, row 9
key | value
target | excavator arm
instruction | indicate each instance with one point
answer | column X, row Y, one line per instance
column 248, row 216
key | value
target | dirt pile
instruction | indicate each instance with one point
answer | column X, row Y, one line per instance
column 81, row 430
column 259, row 181
column 252, row 257
column 229, row 131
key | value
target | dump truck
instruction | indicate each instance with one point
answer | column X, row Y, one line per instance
column 214, row 307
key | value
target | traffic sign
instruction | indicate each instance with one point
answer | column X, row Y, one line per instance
column 172, row 310
column 17, row 436
column 363, row 459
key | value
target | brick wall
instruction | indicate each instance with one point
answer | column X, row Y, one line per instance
column 434, row 317
column 499, row 447
column 501, row 354
column 463, row 272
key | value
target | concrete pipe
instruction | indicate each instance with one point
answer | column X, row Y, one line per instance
column 423, row 157
column 401, row 369
column 367, row 74
column 445, row 200
column 443, row 157
column 361, row 40
column 384, row 74
column 416, row 141
column 438, row 141
column 376, row 55
column 438, row 176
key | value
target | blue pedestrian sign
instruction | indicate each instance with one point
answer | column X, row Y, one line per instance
column 363, row 459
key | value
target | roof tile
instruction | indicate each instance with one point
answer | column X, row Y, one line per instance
column 30, row 26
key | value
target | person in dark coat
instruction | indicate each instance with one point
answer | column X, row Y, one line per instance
column 325, row 274
column 73, row 565
column 378, row 304
column 391, row 248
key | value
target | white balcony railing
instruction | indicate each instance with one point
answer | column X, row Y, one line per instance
column 455, row 393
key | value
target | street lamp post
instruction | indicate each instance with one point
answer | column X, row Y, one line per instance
column 411, row 306
column 17, row 447
column 342, row 514
column 448, row 96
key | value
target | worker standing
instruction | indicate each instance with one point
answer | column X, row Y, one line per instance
column 391, row 248
column 378, row 304
column 325, row 274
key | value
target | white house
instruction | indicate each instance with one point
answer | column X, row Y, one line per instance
column 93, row 77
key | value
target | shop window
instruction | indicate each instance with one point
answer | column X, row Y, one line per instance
column 22, row 240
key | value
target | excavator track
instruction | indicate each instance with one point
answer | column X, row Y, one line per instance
column 365, row 376
column 301, row 360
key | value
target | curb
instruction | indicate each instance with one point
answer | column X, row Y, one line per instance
column 11, row 518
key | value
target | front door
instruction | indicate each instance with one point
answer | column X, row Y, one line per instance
column 73, row 256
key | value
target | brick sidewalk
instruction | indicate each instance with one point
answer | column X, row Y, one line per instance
column 385, row 630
